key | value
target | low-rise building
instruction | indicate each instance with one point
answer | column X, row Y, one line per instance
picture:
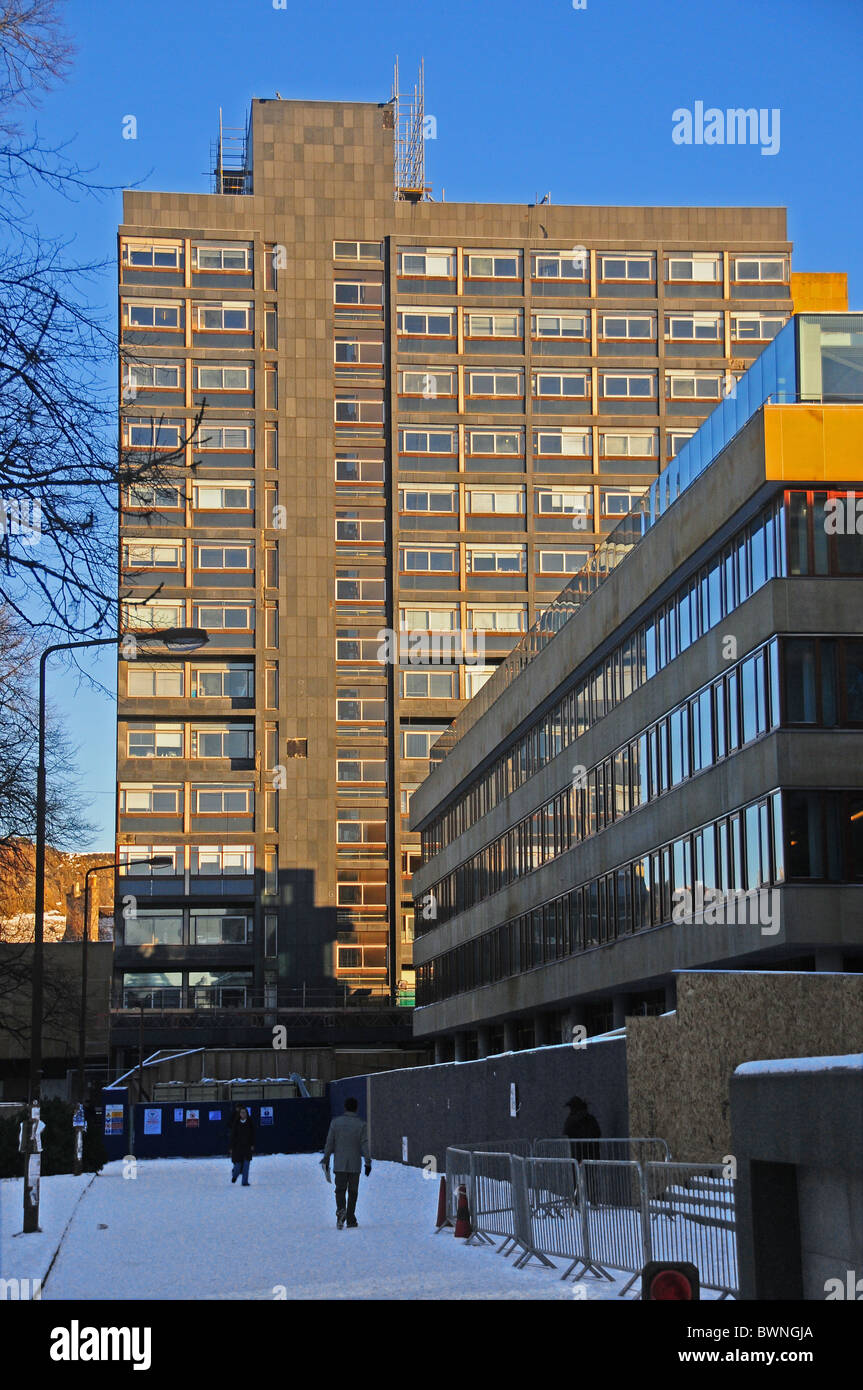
column 667, row 772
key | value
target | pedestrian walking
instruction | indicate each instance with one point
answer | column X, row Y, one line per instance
column 348, row 1146
column 242, row 1144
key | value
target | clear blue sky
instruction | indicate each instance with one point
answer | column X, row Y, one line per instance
column 529, row 96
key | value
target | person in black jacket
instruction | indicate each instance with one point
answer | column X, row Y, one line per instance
column 242, row 1143
column 580, row 1124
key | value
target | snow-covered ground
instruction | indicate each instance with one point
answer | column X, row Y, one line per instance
column 180, row 1230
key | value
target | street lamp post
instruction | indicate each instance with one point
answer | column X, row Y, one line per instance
column 176, row 639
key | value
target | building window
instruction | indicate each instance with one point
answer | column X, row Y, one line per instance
column 361, row 767
column 760, row 268
column 560, row 265
column 640, row 444
column 475, row 678
column 702, row 386
column 229, row 436
column 567, row 502
column 483, row 619
column 151, row 434
column 142, row 799
column 503, row 501
column 562, row 443
column 211, row 255
column 623, row 385
column 155, row 741
column 497, row 265
column 225, row 741
column 137, row 555
column 230, row 860
column 224, row 617
column 231, row 681
column 427, row 441
column 236, row 558
column 619, row 501
column 222, row 801
column 561, row 385
column 428, row 619
column 426, row 323
column 495, row 384
column 357, row 250
column 130, row 859
column 431, row 383
column 676, row 441
column 439, row 501
column 560, row 326
column 164, row 680
column 699, row 267
column 151, row 376
column 564, row 561
column 428, row 263
column 418, row 740
column 357, row 352
column 357, row 706
column 223, row 497
column 428, row 559
column 218, row 926
column 506, row 324
column 428, row 685
column 139, row 313
column 152, row 255
column 152, row 615
column 360, row 586
column 693, row 327
column 508, row 559
column 488, row 442
column 146, row 497
column 154, row 928
column 622, row 265
column 360, row 528
column 359, row 293
column 222, row 377
column 226, row 317
column 625, row 327
column 351, row 410
column 349, row 468
column 756, row 327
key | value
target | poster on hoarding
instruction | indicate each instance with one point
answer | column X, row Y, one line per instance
column 214, row 1115
column 113, row 1119
column 266, row 1114
column 192, row 1118
column 152, row 1122
column 178, row 1114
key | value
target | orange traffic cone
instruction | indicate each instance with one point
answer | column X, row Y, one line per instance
column 441, row 1203
column 462, row 1216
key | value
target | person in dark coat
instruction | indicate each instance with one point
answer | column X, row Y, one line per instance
column 242, row 1143
column 580, row 1124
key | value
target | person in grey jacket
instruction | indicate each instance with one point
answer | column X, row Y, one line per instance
column 348, row 1145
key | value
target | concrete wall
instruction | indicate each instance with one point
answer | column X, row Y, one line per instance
column 680, row 1065
column 798, row 1138
column 454, row 1102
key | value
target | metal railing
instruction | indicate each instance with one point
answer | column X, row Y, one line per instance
column 639, row 1150
column 600, row 1214
column 691, row 1216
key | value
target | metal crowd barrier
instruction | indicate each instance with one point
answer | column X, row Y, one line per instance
column 691, row 1216
column 600, row 1213
column 497, row 1204
column 650, row 1150
column 458, row 1171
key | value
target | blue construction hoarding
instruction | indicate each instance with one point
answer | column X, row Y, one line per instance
column 196, row 1129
